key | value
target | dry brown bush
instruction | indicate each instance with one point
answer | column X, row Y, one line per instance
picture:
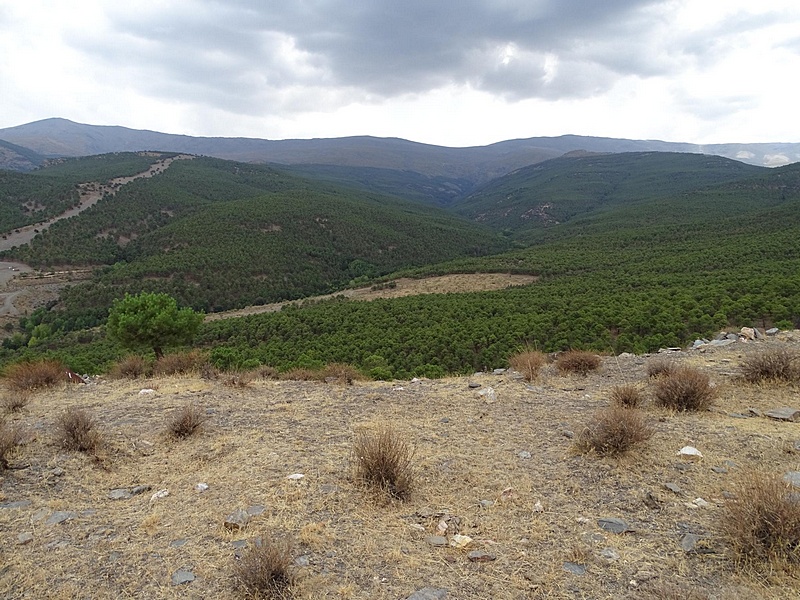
column 237, row 379
column 627, row 394
column 77, row 430
column 341, row 373
column 181, row 363
column 660, row 366
column 686, row 389
column 265, row 570
column 577, row 361
column 35, row 375
column 10, row 438
column 16, row 401
column 528, row 363
column 762, row 521
column 613, row 431
column 774, row 364
column 383, row 460
column 131, row 367
column 267, row 372
column 301, row 374
column 186, row 421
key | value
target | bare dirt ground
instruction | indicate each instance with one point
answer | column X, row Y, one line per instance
column 456, row 283
column 22, row 289
column 503, row 472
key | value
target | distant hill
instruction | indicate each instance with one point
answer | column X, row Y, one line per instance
column 555, row 191
column 60, row 137
column 18, row 158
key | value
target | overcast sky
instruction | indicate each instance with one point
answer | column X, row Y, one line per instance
column 448, row 72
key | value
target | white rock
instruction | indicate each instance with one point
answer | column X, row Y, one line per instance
column 690, row 453
column 146, row 391
column 295, row 476
column 489, row 394
column 699, row 502
column 538, row 507
column 159, row 494
column 201, row 487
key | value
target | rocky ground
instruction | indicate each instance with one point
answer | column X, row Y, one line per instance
column 499, row 467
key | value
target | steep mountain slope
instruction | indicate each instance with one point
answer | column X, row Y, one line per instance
column 560, row 189
column 220, row 235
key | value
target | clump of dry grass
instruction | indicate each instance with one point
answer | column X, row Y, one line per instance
column 762, row 522
column 527, row 363
column 33, row 375
column 181, row 363
column 77, row 430
column 383, row 460
column 238, row 379
column 774, row 364
column 186, row 421
column 267, row 372
column 627, row 394
column 131, row 367
column 660, row 366
column 614, row 431
column 341, row 373
column 669, row 591
column 10, row 438
column 301, row 374
column 579, row 362
column 265, row 570
column 16, row 401
column 686, row 389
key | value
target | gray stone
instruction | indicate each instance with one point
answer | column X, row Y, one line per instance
column 498, row 371
column 732, row 336
column 792, row 478
column 25, row 538
column 59, row 517
column 237, row 520
column 773, row 331
column 120, row 494
column 39, row 515
column 720, row 470
column 784, row 413
column 613, row 525
column 609, row 553
column 182, row 576
column 486, row 503
column 177, row 543
column 673, row 487
column 302, row 561
column 474, row 385
column 256, row 510
column 481, row 556
column 725, row 342
column 16, row 504
column 568, row 434
column 758, row 335
column 524, row 454
column 429, row 593
column 574, row 568
column 755, row 412
column 328, row 488
column 238, row 544
column 436, row 540
column 140, row 489
column 689, row 542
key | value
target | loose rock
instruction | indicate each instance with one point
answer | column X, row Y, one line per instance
column 236, row 520
column 429, row 593
column 60, row 516
column 673, row 487
column 16, row 504
column 792, row 478
column 481, row 556
column 784, row 413
column 25, row 538
column 181, row 576
column 436, row 540
column 574, row 568
column 614, row 525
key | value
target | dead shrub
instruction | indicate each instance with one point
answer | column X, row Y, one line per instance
column 686, row 389
column 383, row 460
column 762, row 521
column 131, row 367
column 774, row 364
column 77, row 430
column 341, row 373
column 181, row 363
column 579, row 362
column 267, row 372
column 10, row 438
column 35, row 375
column 528, row 363
column 16, row 401
column 301, row 374
column 627, row 394
column 660, row 366
column 613, row 431
column 265, row 570
column 186, row 421
column 237, row 379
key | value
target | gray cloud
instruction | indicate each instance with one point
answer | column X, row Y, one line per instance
column 245, row 56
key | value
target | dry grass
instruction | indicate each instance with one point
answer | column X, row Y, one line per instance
column 10, row 438
column 383, row 460
column 528, row 363
column 660, row 366
column 341, row 373
column 131, row 367
column 670, row 591
column 613, row 431
column 16, row 401
column 301, row 374
column 578, row 362
column 34, row 375
column 265, row 570
column 762, row 522
column 627, row 394
column 685, row 389
column 237, row 378
column 186, row 421
column 77, row 430
column 773, row 364
column 181, row 363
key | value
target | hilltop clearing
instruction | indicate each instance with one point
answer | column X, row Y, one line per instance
column 499, row 468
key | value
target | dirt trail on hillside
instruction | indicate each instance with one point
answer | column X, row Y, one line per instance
column 17, row 295
column 444, row 284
